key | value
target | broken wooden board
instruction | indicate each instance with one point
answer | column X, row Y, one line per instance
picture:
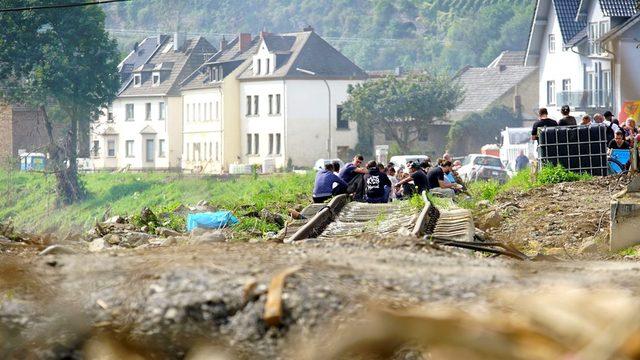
column 273, row 307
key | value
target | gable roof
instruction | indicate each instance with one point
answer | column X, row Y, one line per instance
column 148, row 130
column 138, row 57
column 567, row 12
column 233, row 52
column 509, row 58
column 483, row 86
column 305, row 50
column 612, row 8
column 183, row 62
column 616, row 31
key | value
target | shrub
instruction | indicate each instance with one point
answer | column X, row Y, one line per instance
column 550, row 174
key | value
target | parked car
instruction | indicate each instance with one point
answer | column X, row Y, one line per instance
column 320, row 163
column 400, row 161
column 482, row 167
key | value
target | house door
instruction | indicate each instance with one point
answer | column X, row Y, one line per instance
column 150, row 149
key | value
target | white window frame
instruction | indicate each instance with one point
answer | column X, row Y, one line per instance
column 271, row 144
column 150, row 156
column 278, row 144
column 248, row 104
column 249, row 144
column 256, row 105
column 162, row 111
column 161, row 148
column 278, row 104
column 111, row 147
column 256, row 144
column 132, row 113
column 551, row 93
column 137, row 80
column 155, row 79
column 147, row 111
column 129, row 148
column 552, row 43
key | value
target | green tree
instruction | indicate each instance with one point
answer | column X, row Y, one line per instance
column 477, row 129
column 64, row 63
column 401, row 107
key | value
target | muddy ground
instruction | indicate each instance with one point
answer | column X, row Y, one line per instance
column 172, row 302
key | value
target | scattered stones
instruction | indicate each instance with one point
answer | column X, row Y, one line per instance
column 115, row 220
column 56, row 250
column 98, row 244
column 210, row 236
column 112, row 239
column 166, row 232
column 147, row 216
column 483, row 204
column 171, row 240
column 492, row 219
column 588, row 246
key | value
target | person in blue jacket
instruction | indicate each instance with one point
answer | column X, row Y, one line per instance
column 323, row 189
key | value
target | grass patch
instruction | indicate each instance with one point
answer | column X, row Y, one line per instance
column 522, row 181
column 28, row 198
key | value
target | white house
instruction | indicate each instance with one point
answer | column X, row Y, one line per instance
column 143, row 127
column 211, row 109
column 577, row 67
column 291, row 91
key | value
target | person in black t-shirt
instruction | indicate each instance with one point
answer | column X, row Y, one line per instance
column 619, row 142
column 436, row 181
column 377, row 184
column 542, row 122
column 418, row 177
column 567, row 120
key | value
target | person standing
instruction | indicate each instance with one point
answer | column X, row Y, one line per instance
column 522, row 161
column 543, row 121
column 567, row 119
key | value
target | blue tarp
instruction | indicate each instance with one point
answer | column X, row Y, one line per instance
column 622, row 156
column 211, row 220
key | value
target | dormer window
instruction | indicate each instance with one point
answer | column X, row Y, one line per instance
column 259, row 70
column 137, row 80
column 268, row 69
column 155, row 78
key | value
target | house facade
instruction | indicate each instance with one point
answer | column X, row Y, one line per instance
column 142, row 129
column 572, row 42
column 21, row 129
column 211, row 109
column 291, row 91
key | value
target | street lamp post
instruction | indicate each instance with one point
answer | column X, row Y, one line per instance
column 309, row 72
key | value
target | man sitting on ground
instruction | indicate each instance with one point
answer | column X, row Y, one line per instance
column 323, row 189
column 352, row 174
column 436, row 180
column 419, row 179
column 377, row 184
column 544, row 121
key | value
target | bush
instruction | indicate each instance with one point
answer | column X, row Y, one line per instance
column 550, row 174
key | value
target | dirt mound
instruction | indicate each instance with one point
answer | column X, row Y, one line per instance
column 567, row 220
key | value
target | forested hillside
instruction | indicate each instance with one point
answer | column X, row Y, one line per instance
column 376, row 34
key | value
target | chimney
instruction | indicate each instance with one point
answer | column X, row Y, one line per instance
column 502, row 68
column 223, row 43
column 244, row 39
column 307, row 28
column 264, row 34
column 178, row 41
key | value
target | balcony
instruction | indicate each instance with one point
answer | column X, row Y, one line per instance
column 586, row 100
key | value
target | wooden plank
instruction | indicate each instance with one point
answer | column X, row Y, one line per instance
column 273, row 307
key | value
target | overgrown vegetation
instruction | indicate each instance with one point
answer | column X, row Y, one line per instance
column 28, row 198
column 522, row 181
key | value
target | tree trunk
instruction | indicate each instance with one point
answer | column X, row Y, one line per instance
column 62, row 161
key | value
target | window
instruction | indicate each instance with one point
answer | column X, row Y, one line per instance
column 278, row 136
column 551, row 92
column 566, row 85
column 606, row 88
column 188, row 152
column 111, row 148
column 423, row 135
column 188, row 112
column 196, row 149
column 155, row 79
column 594, row 30
column 268, row 67
column 129, row 116
column 277, row 104
column 249, row 143
column 96, row 148
column 604, row 28
column 256, row 144
column 210, row 111
column 591, row 86
column 147, row 111
column 211, row 151
column 220, row 73
column 137, row 80
column 162, row 111
column 161, row 151
column 217, row 111
column 258, row 71
column 217, row 151
column 342, row 124
column 212, row 74
column 248, row 105
column 199, row 118
column 205, row 151
column 270, row 104
column 110, row 116
column 128, row 148
column 150, row 150
column 552, row 43
column 270, row 144
column 255, row 105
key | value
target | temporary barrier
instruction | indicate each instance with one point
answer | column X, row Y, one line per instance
column 581, row 149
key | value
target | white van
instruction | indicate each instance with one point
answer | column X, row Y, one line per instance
column 515, row 140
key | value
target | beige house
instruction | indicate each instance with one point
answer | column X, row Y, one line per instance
column 142, row 129
column 211, row 109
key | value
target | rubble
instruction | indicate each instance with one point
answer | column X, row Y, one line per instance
column 98, row 245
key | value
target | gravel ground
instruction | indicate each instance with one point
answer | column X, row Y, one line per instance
column 162, row 302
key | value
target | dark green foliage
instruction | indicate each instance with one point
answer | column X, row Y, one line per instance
column 550, row 174
column 376, row 34
column 400, row 107
column 477, row 129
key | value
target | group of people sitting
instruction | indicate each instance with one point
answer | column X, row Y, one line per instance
column 619, row 136
column 379, row 183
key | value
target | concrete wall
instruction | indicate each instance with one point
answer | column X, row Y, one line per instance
column 231, row 120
